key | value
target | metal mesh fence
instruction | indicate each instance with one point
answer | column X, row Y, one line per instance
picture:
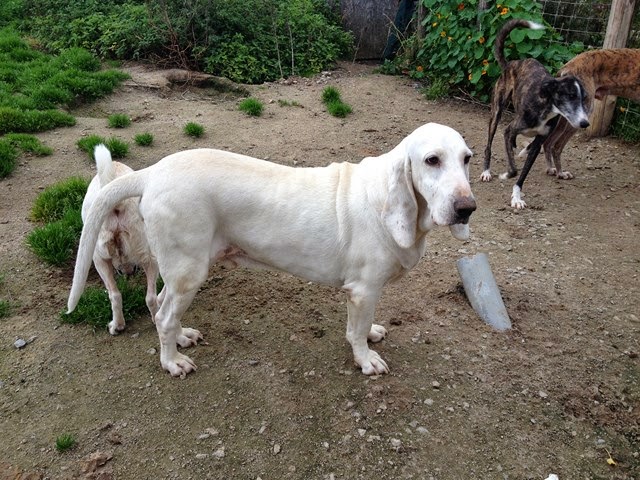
column 585, row 21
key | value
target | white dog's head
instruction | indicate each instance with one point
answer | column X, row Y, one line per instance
column 429, row 185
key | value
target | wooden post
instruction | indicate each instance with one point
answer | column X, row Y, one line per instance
column 616, row 37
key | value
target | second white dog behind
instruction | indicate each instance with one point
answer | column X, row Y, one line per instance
column 122, row 243
column 352, row 226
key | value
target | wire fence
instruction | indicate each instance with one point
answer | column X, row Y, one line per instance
column 585, row 21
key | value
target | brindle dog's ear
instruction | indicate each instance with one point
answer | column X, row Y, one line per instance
column 547, row 88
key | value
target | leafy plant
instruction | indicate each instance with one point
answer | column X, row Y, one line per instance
column 144, row 139
column 438, row 88
column 119, row 120
column 330, row 94
column 94, row 307
column 55, row 242
column 65, row 442
column 626, row 121
column 88, row 144
column 28, row 143
column 193, row 129
column 117, row 147
column 459, row 40
column 251, row 106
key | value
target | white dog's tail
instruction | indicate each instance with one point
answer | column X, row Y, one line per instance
column 106, row 168
column 130, row 185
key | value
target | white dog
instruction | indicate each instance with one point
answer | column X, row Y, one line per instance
column 353, row 226
column 122, row 244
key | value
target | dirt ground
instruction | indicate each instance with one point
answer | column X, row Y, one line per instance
column 276, row 394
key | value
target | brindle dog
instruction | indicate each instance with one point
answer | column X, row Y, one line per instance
column 538, row 99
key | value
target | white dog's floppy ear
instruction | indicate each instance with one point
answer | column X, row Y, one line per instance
column 400, row 211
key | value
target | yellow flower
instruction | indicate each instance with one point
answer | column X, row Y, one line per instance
column 434, row 24
column 443, row 34
column 622, row 109
column 498, row 6
column 419, row 68
column 481, row 40
column 504, row 11
column 469, row 77
column 485, row 62
column 484, row 72
column 438, row 16
column 449, row 39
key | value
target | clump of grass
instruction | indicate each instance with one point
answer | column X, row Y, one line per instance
column 251, row 106
column 28, row 143
column 289, row 103
column 438, row 88
column 88, row 144
column 119, row 120
column 58, row 207
column 94, row 307
column 335, row 106
column 144, row 139
column 8, row 158
column 53, row 203
column 65, row 442
column 55, row 242
column 193, row 129
column 117, row 147
column 5, row 308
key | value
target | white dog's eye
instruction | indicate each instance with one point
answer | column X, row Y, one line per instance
column 432, row 160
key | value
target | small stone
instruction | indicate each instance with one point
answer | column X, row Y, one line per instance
column 19, row 343
column 219, row 453
column 201, row 456
column 542, row 394
column 435, row 384
column 428, row 401
column 276, row 449
column 152, row 351
column 396, row 443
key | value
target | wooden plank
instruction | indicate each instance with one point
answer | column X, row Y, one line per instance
column 617, row 34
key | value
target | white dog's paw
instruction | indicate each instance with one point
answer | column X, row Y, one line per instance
column 486, row 176
column 189, row 337
column 115, row 327
column 565, row 175
column 377, row 333
column 179, row 365
column 373, row 364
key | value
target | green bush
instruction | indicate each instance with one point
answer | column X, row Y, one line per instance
column 65, row 442
column 330, row 94
column 458, row 44
column 251, row 106
column 28, row 143
column 88, row 144
column 333, row 101
column 117, row 147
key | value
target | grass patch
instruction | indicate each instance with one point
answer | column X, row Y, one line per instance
column 333, row 101
column 65, row 442
column 55, row 201
column 94, row 307
column 56, row 242
column 8, row 158
column 437, row 89
column 193, row 129
column 289, row 103
column 119, row 120
column 143, row 139
column 28, row 143
column 251, row 106
column 117, row 147
column 5, row 308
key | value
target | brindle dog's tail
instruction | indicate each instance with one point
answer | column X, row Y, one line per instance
column 505, row 31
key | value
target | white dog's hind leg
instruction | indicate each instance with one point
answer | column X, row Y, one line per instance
column 105, row 270
column 360, row 327
column 151, row 298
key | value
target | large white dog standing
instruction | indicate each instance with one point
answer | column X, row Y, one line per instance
column 353, row 226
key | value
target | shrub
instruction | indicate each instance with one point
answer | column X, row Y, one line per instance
column 338, row 109
column 330, row 94
column 28, row 143
column 119, row 120
column 144, row 139
column 251, row 106
column 117, row 147
column 193, row 129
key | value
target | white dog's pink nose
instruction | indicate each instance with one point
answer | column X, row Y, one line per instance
column 463, row 208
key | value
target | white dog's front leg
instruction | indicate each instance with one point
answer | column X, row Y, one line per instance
column 360, row 327
column 169, row 331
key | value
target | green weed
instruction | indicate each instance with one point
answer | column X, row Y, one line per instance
column 5, row 308
column 56, row 242
column 143, row 139
column 193, row 129
column 119, row 120
column 8, row 158
column 65, row 442
column 251, row 106
column 53, row 203
column 333, row 101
